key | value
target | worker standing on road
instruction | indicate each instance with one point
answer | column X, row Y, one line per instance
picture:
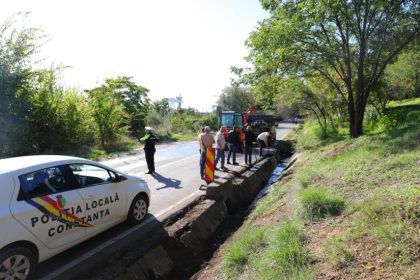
column 150, row 140
column 233, row 140
column 220, row 149
column 249, row 139
column 263, row 140
column 206, row 140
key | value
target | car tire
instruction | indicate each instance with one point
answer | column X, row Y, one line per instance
column 138, row 209
column 16, row 263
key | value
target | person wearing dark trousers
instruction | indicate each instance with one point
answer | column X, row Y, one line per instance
column 220, row 149
column 149, row 140
column 233, row 140
column 249, row 139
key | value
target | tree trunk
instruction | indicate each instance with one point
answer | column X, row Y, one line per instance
column 358, row 124
column 358, row 113
column 352, row 115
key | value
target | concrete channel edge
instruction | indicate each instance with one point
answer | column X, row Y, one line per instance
column 184, row 238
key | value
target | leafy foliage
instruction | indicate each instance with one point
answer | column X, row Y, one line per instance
column 347, row 44
column 235, row 98
column 161, row 107
column 403, row 77
column 109, row 115
column 133, row 99
column 17, row 46
column 185, row 119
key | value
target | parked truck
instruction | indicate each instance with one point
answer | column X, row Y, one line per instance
column 259, row 122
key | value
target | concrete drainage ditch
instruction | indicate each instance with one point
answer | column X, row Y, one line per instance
column 176, row 249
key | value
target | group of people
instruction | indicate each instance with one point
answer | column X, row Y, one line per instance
column 233, row 140
column 205, row 140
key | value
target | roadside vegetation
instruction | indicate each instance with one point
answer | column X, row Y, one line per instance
column 40, row 116
column 348, row 209
column 351, row 201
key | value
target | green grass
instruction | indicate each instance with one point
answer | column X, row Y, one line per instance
column 374, row 178
column 305, row 177
column 378, row 174
column 267, row 253
column 268, row 205
column 285, row 257
column 337, row 253
column 240, row 253
column 318, row 203
column 408, row 102
column 173, row 136
column 392, row 217
column 126, row 144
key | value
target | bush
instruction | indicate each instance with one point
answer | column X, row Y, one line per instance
column 413, row 117
column 318, row 203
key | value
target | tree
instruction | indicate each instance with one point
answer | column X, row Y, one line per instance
column 109, row 115
column 80, row 126
column 161, row 106
column 347, row 43
column 403, row 76
column 17, row 47
column 235, row 98
column 185, row 119
column 133, row 98
column 45, row 126
column 312, row 95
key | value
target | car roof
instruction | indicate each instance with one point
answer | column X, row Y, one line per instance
column 23, row 162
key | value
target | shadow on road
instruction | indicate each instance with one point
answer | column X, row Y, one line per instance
column 168, row 182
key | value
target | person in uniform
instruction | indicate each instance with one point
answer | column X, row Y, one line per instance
column 149, row 140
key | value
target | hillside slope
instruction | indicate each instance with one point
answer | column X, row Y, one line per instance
column 348, row 209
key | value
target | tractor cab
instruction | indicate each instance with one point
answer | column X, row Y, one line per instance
column 230, row 118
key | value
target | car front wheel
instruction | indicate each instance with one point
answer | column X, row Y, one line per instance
column 16, row 263
column 138, row 209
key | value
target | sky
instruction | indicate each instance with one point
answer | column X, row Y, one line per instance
column 171, row 47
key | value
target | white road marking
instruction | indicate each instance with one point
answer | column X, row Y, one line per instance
column 140, row 164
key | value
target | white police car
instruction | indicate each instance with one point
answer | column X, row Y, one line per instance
column 51, row 203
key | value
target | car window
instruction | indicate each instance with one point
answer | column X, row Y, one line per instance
column 44, row 182
column 88, row 175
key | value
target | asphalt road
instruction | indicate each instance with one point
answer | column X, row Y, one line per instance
column 176, row 183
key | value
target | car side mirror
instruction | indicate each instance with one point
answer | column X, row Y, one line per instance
column 118, row 178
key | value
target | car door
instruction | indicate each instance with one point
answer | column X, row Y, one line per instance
column 104, row 199
column 50, row 207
